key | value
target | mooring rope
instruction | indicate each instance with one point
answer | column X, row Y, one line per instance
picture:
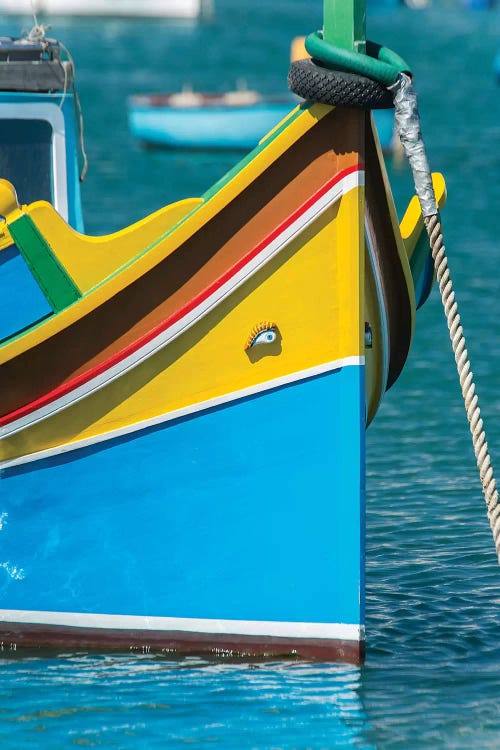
column 408, row 127
column 434, row 230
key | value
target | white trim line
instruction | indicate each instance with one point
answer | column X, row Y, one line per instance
column 347, row 183
column 256, row 628
column 226, row 398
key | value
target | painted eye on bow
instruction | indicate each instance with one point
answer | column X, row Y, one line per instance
column 262, row 333
column 266, row 337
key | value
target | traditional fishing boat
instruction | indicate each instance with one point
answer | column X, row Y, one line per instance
column 182, row 435
column 231, row 120
column 39, row 137
column 176, row 9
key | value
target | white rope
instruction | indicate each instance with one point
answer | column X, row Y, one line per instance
column 37, row 33
column 434, row 230
column 408, row 124
column 471, row 402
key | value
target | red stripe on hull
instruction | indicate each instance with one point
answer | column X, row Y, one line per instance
column 179, row 314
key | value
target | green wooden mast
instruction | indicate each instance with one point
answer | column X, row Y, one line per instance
column 344, row 24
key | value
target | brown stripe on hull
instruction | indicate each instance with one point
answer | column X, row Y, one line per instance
column 332, row 145
column 16, row 636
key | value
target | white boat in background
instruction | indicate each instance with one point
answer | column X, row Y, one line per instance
column 182, row 9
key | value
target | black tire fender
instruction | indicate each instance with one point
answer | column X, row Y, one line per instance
column 309, row 80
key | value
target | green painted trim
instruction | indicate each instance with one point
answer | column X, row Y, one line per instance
column 251, row 156
column 56, row 284
column 224, row 180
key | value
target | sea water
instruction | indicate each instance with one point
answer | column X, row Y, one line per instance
column 432, row 672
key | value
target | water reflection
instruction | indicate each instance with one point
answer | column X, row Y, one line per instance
column 151, row 701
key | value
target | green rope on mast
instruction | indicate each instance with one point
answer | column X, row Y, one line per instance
column 379, row 63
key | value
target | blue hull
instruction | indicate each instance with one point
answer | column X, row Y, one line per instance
column 245, row 519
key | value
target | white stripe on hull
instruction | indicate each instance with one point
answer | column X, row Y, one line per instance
column 256, row 628
column 226, row 398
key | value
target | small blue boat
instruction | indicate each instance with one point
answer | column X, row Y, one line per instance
column 232, row 120
column 235, row 120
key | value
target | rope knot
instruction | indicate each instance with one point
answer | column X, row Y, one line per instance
column 37, row 34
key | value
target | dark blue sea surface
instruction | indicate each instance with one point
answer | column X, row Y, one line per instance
column 432, row 672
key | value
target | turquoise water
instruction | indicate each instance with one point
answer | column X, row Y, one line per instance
column 432, row 674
